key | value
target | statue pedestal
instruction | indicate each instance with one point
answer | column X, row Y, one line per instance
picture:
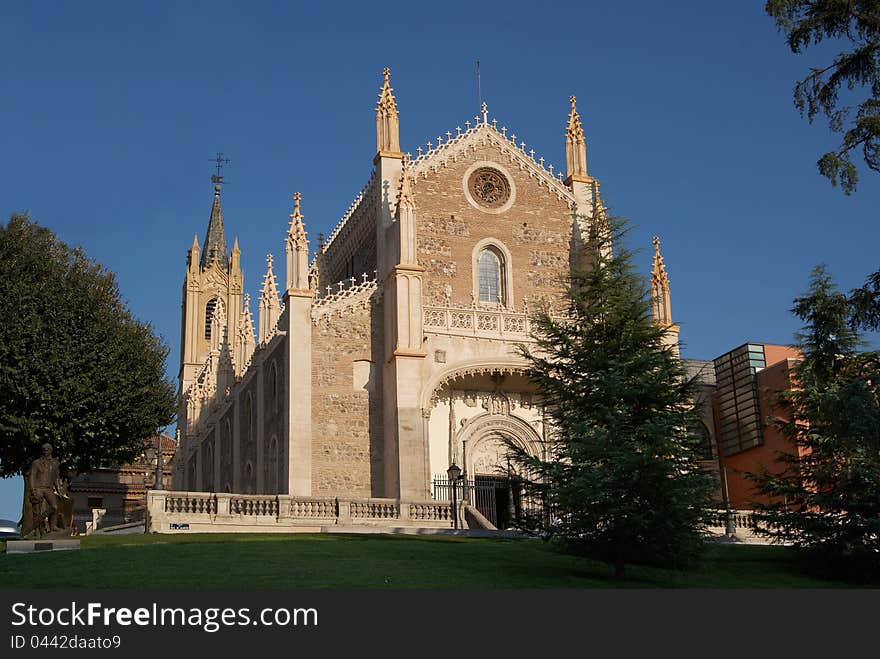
column 45, row 544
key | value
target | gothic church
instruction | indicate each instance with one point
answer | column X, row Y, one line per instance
column 390, row 354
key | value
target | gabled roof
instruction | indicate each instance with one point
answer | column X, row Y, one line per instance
column 483, row 132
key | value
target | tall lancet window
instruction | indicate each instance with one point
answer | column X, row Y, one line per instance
column 209, row 316
column 491, row 276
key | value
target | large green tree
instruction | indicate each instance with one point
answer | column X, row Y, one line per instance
column 827, row 496
column 620, row 475
column 76, row 368
column 856, row 25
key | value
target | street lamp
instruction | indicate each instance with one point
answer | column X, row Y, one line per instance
column 159, row 485
column 454, row 473
column 729, row 528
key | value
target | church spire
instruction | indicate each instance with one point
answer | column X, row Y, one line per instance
column 661, row 308
column 245, row 344
column 297, row 250
column 387, row 122
column 215, row 241
column 192, row 257
column 270, row 308
column 575, row 146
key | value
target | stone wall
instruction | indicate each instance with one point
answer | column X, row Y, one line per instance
column 536, row 230
column 346, row 402
column 274, row 436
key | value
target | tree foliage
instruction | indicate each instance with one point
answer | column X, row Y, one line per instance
column 827, row 496
column 865, row 303
column 857, row 23
column 620, row 471
column 76, row 368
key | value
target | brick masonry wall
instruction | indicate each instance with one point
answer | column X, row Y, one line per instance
column 536, row 230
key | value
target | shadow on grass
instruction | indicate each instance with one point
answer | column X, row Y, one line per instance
column 373, row 561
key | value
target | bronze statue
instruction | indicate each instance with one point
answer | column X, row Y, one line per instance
column 47, row 506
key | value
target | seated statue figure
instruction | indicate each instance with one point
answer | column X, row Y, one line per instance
column 45, row 492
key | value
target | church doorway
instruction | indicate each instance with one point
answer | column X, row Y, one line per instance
column 496, row 497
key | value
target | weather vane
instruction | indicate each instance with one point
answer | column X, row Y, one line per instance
column 219, row 161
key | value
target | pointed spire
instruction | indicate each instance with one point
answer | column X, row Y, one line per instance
column 575, row 146
column 387, row 122
column 296, row 232
column 270, row 308
column 245, row 344
column 660, row 298
column 235, row 258
column 296, row 250
column 192, row 257
column 214, row 249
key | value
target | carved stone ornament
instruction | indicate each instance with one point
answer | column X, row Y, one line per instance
column 489, row 187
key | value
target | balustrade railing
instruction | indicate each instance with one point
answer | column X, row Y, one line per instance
column 477, row 321
column 254, row 505
column 177, row 506
column 190, row 503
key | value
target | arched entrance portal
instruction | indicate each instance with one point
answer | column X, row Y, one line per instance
column 494, row 484
column 473, row 414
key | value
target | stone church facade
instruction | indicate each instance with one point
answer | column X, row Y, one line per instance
column 391, row 352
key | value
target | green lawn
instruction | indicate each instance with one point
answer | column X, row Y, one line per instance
column 373, row 561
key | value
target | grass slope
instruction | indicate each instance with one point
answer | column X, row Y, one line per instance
column 375, row 562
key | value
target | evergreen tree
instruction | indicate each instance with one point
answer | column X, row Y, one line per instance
column 827, row 496
column 856, row 25
column 77, row 370
column 620, row 473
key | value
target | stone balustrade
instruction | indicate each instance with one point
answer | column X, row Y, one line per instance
column 476, row 321
column 224, row 512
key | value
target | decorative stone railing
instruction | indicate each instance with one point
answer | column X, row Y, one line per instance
column 347, row 294
column 375, row 509
column 254, row 505
column 351, row 209
column 200, row 511
column 737, row 519
column 476, row 321
column 192, row 503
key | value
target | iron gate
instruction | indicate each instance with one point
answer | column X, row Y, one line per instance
column 499, row 499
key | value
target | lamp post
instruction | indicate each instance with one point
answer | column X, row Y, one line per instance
column 729, row 528
column 159, row 485
column 454, row 473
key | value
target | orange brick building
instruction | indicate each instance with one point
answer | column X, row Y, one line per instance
column 748, row 380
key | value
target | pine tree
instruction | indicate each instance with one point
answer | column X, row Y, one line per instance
column 827, row 496
column 620, row 473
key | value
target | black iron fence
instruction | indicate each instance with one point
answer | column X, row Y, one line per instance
column 503, row 501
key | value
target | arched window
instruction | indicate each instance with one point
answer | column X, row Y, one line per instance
column 209, row 316
column 490, row 276
column 701, row 433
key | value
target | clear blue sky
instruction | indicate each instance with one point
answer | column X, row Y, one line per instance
column 110, row 113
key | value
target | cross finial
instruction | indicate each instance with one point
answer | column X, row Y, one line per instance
column 219, row 161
